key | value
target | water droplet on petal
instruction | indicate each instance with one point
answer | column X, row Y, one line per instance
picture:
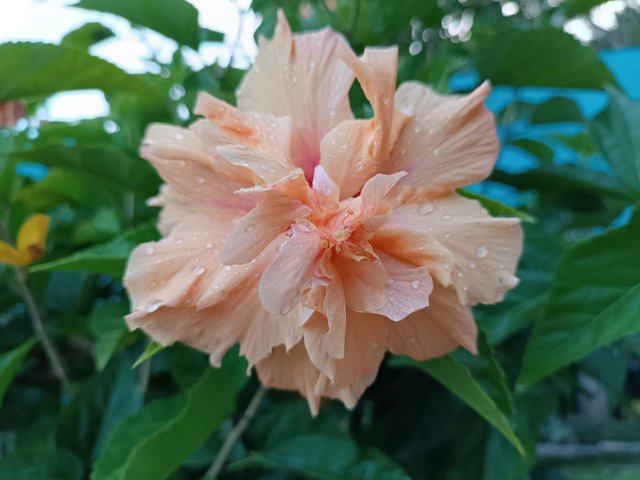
column 417, row 129
column 179, row 136
column 149, row 250
column 446, row 217
column 209, row 245
column 415, row 284
column 179, row 240
column 460, row 274
column 425, row 208
column 199, row 179
column 250, row 228
column 182, row 163
column 471, row 263
column 199, row 270
column 153, row 305
column 482, row 251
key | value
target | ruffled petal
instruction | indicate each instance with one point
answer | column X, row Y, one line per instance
column 407, row 289
column 364, row 283
column 484, row 250
column 300, row 76
column 283, row 281
column 291, row 370
column 366, row 338
column 261, row 226
column 449, row 142
column 355, row 150
column 436, row 330
column 176, row 270
column 183, row 161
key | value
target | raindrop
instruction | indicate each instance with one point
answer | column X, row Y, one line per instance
column 415, row 284
column 182, row 163
column 250, row 228
column 425, row 208
column 482, row 251
column 460, row 274
column 199, row 179
column 179, row 136
column 149, row 250
column 179, row 241
column 199, row 270
column 417, row 129
column 471, row 263
column 153, row 305
column 209, row 245
column 446, row 217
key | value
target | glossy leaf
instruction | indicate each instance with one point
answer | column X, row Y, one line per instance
column 109, row 258
column 10, row 363
column 594, row 300
column 542, row 57
column 176, row 19
column 152, row 443
column 35, row 70
column 616, row 133
column 459, row 378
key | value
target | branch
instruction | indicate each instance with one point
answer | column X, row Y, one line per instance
column 235, row 434
column 604, row 450
column 36, row 321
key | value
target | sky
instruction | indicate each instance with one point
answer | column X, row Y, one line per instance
column 49, row 20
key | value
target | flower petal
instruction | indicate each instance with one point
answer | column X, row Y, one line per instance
column 450, row 142
column 407, row 289
column 261, row 226
column 363, row 281
column 10, row 255
column 300, row 76
column 366, row 337
column 375, row 190
column 183, row 161
column 435, row 330
column 176, row 270
column 283, row 281
column 291, row 370
column 485, row 250
column 355, row 150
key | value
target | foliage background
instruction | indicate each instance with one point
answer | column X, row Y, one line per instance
column 559, row 370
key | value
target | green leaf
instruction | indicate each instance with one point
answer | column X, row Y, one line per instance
column 97, row 408
column 113, row 166
column 36, row 70
column 107, row 322
column 176, row 19
column 109, row 258
column 325, row 457
column 616, row 133
column 496, row 208
column 556, row 110
column 538, row 149
column 10, row 363
column 152, row 349
column 61, row 185
column 594, row 300
column 86, row 35
column 152, row 443
column 459, row 379
column 49, row 464
column 545, row 57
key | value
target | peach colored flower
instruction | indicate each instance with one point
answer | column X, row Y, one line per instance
column 315, row 240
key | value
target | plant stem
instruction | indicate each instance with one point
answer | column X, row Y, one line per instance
column 49, row 348
column 36, row 321
column 235, row 434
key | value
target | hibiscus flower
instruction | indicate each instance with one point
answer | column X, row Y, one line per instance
column 316, row 240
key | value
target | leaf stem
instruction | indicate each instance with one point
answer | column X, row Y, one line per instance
column 235, row 434
column 36, row 321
